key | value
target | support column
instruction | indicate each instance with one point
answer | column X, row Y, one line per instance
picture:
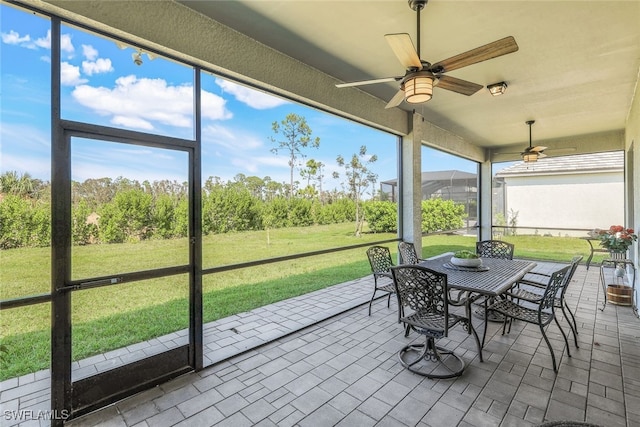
column 411, row 175
column 484, row 198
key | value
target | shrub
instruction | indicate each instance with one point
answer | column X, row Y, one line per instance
column 439, row 215
column 382, row 217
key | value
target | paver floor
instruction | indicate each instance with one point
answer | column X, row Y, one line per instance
column 344, row 371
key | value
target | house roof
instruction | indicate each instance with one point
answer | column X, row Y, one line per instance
column 581, row 163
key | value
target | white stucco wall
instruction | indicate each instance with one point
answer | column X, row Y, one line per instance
column 588, row 201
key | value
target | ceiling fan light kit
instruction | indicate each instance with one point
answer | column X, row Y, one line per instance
column 497, row 89
column 532, row 154
column 416, row 86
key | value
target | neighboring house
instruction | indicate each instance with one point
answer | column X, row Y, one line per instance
column 582, row 191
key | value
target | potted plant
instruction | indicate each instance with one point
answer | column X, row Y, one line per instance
column 617, row 240
column 466, row 258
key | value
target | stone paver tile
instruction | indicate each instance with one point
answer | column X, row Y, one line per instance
column 236, row 420
column 442, row 415
column 479, row 418
column 375, row 408
column 600, row 417
column 231, row 404
column 140, row 413
column 563, row 411
column 532, row 396
column 409, row 411
column 357, row 418
column 258, row 410
column 311, row 400
column 606, row 404
column 497, row 390
column 176, row 397
column 344, row 402
column 166, row 418
column 302, row 384
column 199, row 402
column 326, row 415
column 279, row 379
column 392, row 393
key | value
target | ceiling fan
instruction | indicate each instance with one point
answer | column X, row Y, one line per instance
column 416, row 86
column 532, row 154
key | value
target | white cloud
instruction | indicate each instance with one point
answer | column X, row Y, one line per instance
column 14, row 38
column 253, row 98
column 70, row 75
column 132, row 122
column 138, row 102
column 89, row 52
column 214, row 107
column 101, row 65
column 44, row 42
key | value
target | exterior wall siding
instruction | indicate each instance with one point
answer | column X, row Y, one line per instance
column 567, row 201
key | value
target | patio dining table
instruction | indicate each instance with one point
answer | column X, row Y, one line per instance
column 492, row 280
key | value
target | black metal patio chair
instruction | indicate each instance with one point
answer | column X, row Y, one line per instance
column 423, row 295
column 540, row 312
column 381, row 263
column 494, row 249
column 497, row 249
column 408, row 254
column 537, row 286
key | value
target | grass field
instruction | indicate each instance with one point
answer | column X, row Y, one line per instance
column 112, row 317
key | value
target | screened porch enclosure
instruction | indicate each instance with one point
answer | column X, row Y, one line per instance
column 102, row 165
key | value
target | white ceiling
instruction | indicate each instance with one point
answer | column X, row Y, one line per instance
column 575, row 72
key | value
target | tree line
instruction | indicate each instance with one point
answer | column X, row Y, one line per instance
column 122, row 210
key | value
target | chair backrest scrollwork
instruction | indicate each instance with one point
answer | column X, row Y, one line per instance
column 422, row 290
column 408, row 253
column 494, row 249
column 380, row 259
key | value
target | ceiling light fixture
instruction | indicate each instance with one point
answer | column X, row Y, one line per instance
column 137, row 57
column 532, row 154
column 497, row 89
column 418, row 87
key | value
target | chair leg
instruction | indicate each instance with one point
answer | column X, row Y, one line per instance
column 486, row 323
column 553, row 356
column 438, row 362
column 566, row 341
column 572, row 322
column 372, row 297
column 471, row 329
column 389, row 300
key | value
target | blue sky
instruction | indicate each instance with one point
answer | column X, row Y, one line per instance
column 102, row 85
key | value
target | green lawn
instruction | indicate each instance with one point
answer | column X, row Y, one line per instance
column 112, row 317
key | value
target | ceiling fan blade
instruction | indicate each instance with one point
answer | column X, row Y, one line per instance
column 479, row 54
column 541, row 155
column 369, row 82
column 538, row 148
column 402, row 46
column 396, row 100
column 458, row 85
